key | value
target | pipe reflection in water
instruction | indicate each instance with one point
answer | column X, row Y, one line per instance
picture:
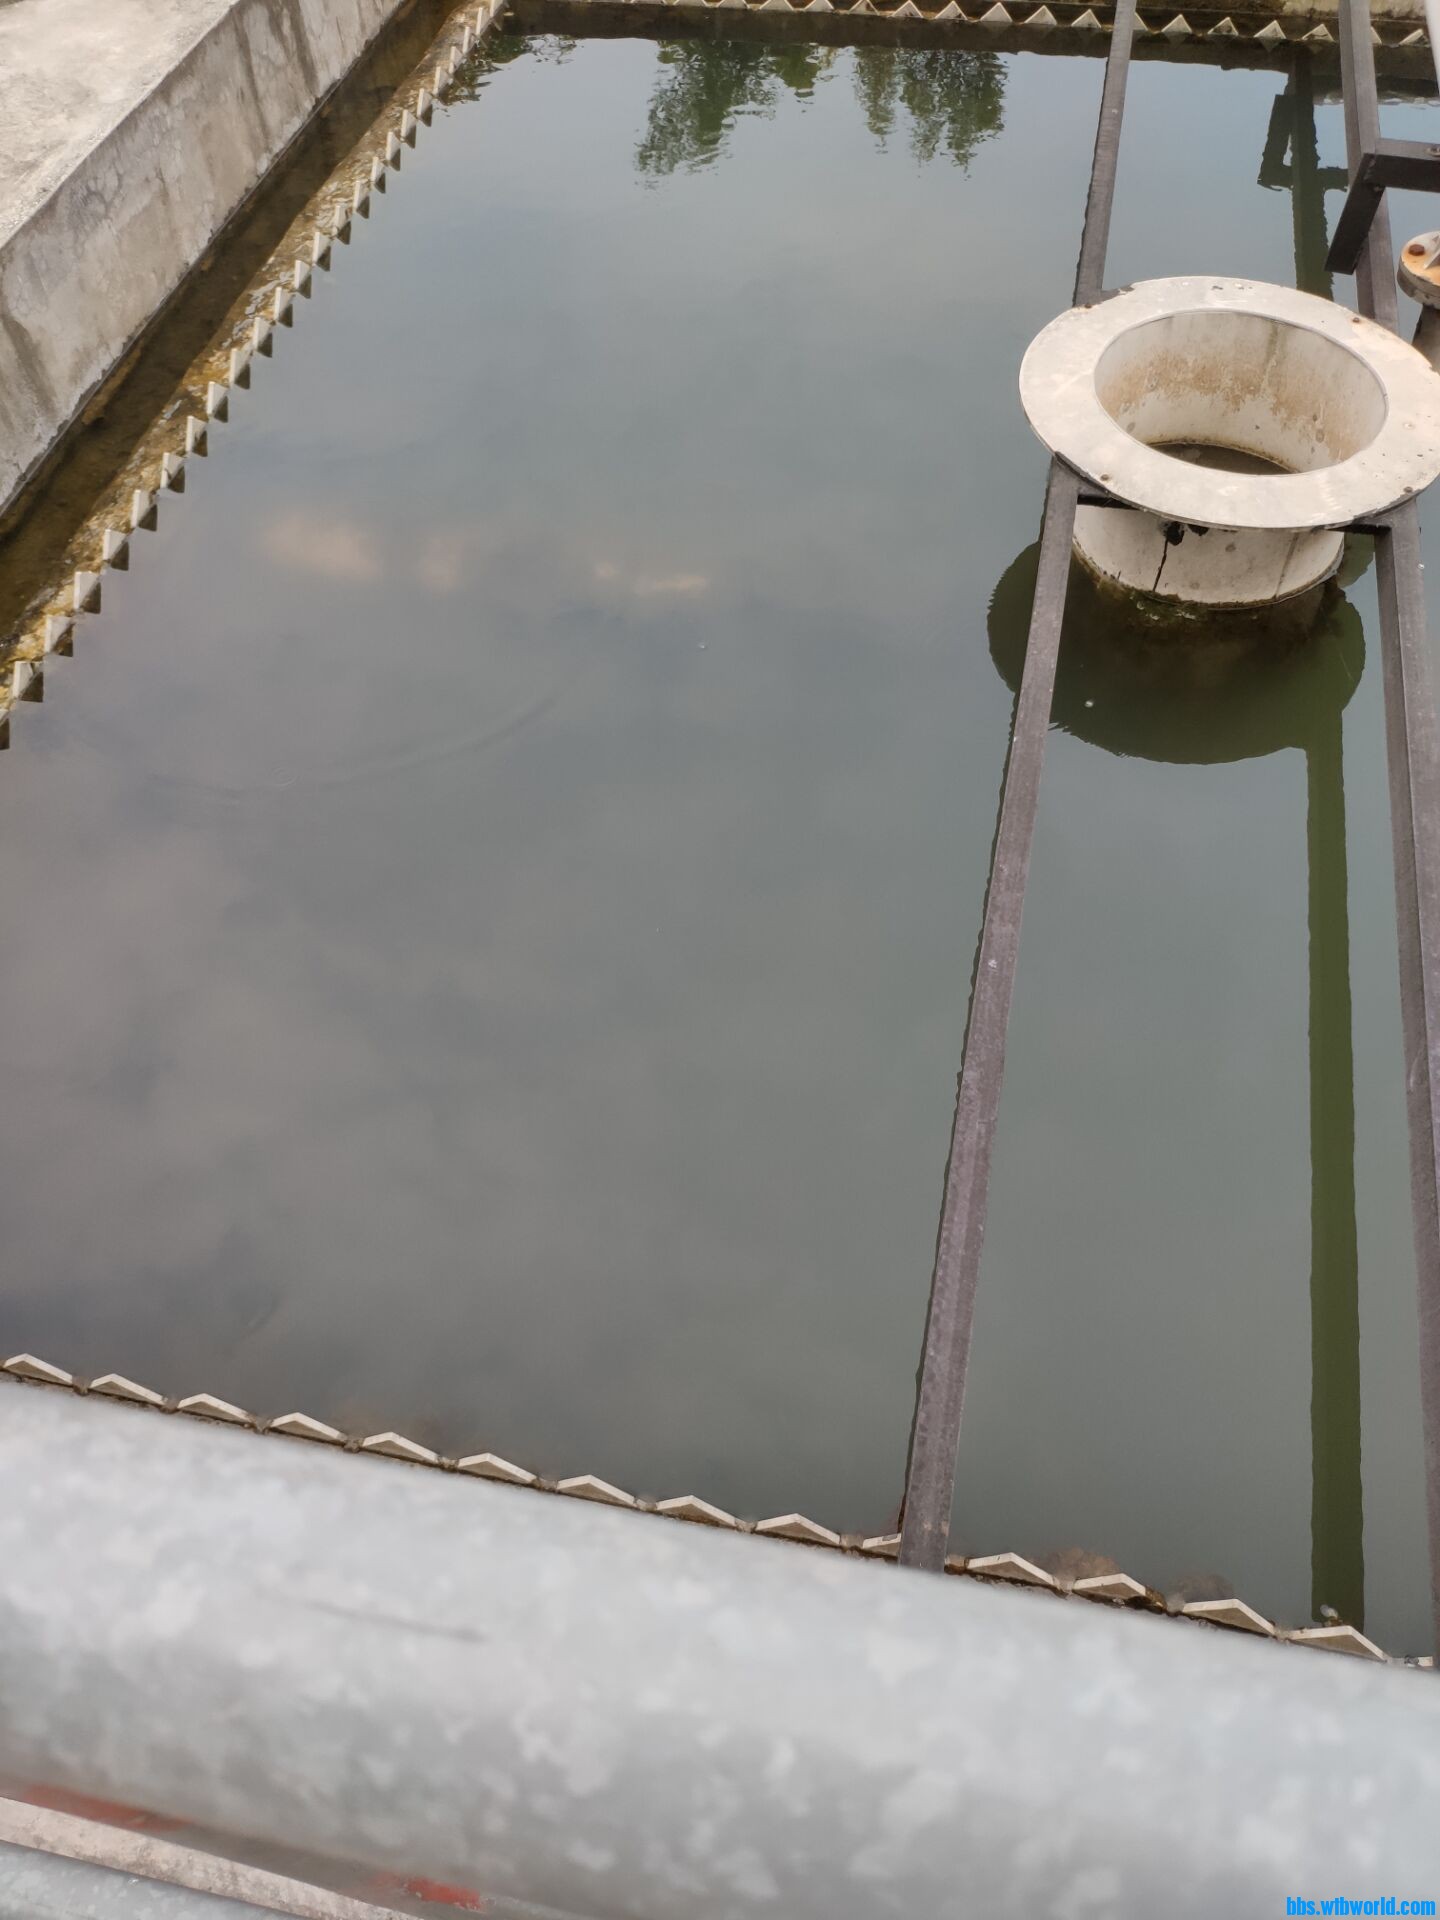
column 1292, row 133
column 1292, row 160
column 1234, row 688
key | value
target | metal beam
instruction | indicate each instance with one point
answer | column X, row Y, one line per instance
column 1095, row 238
column 949, row 1320
column 1412, row 741
column 1388, row 163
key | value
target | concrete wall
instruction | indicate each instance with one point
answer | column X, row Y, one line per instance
column 134, row 129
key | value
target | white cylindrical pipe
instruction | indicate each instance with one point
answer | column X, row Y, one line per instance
column 1216, row 567
column 1244, row 426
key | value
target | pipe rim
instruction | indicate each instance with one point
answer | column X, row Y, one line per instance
column 1058, row 392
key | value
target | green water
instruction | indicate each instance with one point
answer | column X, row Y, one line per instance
column 491, row 902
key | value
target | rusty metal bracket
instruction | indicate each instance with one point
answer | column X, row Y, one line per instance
column 1382, row 164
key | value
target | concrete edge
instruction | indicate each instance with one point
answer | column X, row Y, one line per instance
column 263, row 309
column 85, row 274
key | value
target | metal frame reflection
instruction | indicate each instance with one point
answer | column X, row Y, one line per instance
column 1233, row 690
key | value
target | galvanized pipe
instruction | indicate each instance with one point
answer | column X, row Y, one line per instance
column 615, row 1716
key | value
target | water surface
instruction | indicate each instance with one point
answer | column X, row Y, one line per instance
column 493, row 898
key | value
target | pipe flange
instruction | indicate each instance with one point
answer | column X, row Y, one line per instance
column 1345, row 412
column 1419, row 271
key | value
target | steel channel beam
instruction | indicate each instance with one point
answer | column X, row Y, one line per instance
column 1389, row 163
column 1095, row 237
column 1412, row 742
column 949, row 1321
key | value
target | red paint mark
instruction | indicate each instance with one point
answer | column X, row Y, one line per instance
column 419, row 1888
column 110, row 1813
column 436, row 1890
column 429, row 1890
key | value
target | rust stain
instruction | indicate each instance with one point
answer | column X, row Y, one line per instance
column 109, row 1813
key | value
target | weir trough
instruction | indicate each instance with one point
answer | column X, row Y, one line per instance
column 1247, row 423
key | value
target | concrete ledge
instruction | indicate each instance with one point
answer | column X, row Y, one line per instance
column 134, row 130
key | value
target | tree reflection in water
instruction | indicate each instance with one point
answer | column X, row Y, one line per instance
column 950, row 101
column 498, row 50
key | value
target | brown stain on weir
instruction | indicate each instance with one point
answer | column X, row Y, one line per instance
column 1296, row 402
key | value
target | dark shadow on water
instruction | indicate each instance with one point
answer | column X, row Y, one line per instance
column 1232, row 689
